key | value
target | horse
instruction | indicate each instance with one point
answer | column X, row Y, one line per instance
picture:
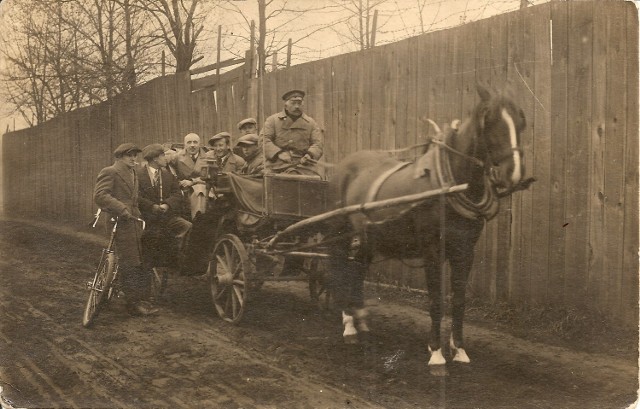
column 483, row 152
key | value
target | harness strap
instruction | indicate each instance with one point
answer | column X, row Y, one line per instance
column 377, row 184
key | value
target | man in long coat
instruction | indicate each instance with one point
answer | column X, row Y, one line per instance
column 116, row 192
column 292, row 139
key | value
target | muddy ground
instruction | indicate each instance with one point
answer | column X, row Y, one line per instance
column 285, row 353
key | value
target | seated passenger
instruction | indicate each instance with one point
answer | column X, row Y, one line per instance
column 188, row 163
column 226, row 160
column 160, row 202
column 252, row 153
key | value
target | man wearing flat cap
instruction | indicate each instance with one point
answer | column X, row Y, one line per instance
column 160, row 203
column 116, row 192
column 292, row 139
column 248, row 126
column 252, row 154
column 227, row 161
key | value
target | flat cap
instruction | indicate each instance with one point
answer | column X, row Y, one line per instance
column 249, row 139
column 152, row 151
column 294, row 93
column 126, row 148
column 247, row 121
column 221, row 135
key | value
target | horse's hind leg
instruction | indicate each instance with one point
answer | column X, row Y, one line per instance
column 347, row 289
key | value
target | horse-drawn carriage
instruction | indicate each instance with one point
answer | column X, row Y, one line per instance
column 374, row 204
column 267, row 221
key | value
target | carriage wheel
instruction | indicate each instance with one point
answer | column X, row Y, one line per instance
column 318, row 282
column 229, row 271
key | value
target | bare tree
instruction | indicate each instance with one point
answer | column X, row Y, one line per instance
column 39, row 66
column 359, row 25
column 63, row 54
column 179, row 24
column 278, row 22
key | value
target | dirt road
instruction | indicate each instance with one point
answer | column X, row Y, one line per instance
column 285, row 354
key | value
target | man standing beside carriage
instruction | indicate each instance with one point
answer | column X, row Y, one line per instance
column 160, row 203
column 116, row 192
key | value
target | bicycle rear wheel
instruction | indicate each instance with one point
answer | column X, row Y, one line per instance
column 99, row 288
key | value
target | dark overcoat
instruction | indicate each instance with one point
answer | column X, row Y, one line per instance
column 116, row 190
column 150, row 195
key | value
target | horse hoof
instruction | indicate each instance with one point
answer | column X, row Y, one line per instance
column 459, row 354
column 350, row 339
column 436, row 357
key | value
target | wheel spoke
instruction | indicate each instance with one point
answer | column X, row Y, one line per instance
column 234, row 304
column 222, row 262
column 221, row 292
column 238, row 294
column 228, row 258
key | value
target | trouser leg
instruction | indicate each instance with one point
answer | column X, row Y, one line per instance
column 135, row 283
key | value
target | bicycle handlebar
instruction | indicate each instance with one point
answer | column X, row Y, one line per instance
column 97, row 216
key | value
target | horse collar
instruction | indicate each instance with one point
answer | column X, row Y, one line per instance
column 487, row 208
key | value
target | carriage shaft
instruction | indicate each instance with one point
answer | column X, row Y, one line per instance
column 365, row 207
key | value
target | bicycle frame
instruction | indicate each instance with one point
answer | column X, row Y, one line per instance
column 102, row 287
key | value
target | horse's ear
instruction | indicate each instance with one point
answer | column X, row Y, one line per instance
column 483, row 92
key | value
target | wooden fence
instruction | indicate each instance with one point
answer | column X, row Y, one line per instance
column 569, row 241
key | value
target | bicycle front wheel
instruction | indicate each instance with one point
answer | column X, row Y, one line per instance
column 99, row 288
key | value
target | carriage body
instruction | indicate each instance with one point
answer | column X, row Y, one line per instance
column 257, row 208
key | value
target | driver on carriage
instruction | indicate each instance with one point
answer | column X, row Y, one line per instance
column 293, row 141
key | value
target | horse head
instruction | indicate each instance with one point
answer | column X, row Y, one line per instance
column 499, row 123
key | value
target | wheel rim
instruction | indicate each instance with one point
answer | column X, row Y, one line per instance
column 229, row 269
column 98, row 289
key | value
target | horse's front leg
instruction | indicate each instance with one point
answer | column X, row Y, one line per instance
column 434, row 282
column 460, row 259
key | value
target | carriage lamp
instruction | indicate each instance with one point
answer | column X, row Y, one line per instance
column 210, row 171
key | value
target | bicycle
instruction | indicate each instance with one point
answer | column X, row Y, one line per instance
column 104, row 285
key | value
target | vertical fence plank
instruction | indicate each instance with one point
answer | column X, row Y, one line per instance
column 630, row 257
column 540, row 163
column 597, row 275
column 616, row 112
column 579, row 116
column 559, row 120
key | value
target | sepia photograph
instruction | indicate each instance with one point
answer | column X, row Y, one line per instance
column 319, row 204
